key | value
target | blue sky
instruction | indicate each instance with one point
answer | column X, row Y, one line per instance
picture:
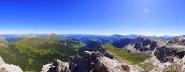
column 103, row 17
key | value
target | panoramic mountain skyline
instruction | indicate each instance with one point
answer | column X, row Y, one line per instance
column 103, row 17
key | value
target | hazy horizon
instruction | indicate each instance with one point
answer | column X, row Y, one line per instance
column 82, row 34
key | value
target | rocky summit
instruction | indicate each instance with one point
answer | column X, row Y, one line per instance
column 88, row 61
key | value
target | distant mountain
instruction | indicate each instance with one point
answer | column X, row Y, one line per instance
column 101, row 38
column 167, row 37
column 12, row 37
column 140, row 43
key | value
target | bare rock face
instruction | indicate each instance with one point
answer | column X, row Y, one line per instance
column 171, row 56
column 175, row 48
column 177, row 66
column 143, row 44
column 56, row 66
column 179, row 40
column 46, row 67
column 166, row 54
column 88, row 61
column 109, row 65
column 8, row 67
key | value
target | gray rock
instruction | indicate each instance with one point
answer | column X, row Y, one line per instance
column 88, row 61
column 8, row 67
column 56, row 66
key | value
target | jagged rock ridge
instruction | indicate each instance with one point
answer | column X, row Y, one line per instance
column 175, row 48
column 140, row 44
column 88, row 61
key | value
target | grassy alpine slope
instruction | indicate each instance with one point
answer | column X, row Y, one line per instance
column 32, row 53
column 134, row 58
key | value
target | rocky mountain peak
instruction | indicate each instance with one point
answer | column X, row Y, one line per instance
column 88, row 61
column 179, row 40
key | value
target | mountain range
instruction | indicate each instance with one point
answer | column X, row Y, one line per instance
column 93, row 53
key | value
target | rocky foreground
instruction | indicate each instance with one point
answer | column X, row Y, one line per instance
column 8, row 67
column 93, row 61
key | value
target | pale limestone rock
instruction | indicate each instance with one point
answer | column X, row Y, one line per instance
column 8, row 67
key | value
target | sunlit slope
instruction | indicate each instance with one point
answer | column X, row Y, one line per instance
column 133, row 58
column 31, row 53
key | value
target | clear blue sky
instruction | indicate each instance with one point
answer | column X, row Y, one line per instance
column 148, row 17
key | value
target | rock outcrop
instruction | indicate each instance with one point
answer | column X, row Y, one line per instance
column 88, row 61
column 8, row 67
column 144, row 44
column 178, row 40
column 56, row 66
column 141, row 44
column 178, row 65
column 167, row 54
column 170, row 58
column 175, row 48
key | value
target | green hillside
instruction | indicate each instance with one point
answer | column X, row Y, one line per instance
column 32, row 53
column 134, row 58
